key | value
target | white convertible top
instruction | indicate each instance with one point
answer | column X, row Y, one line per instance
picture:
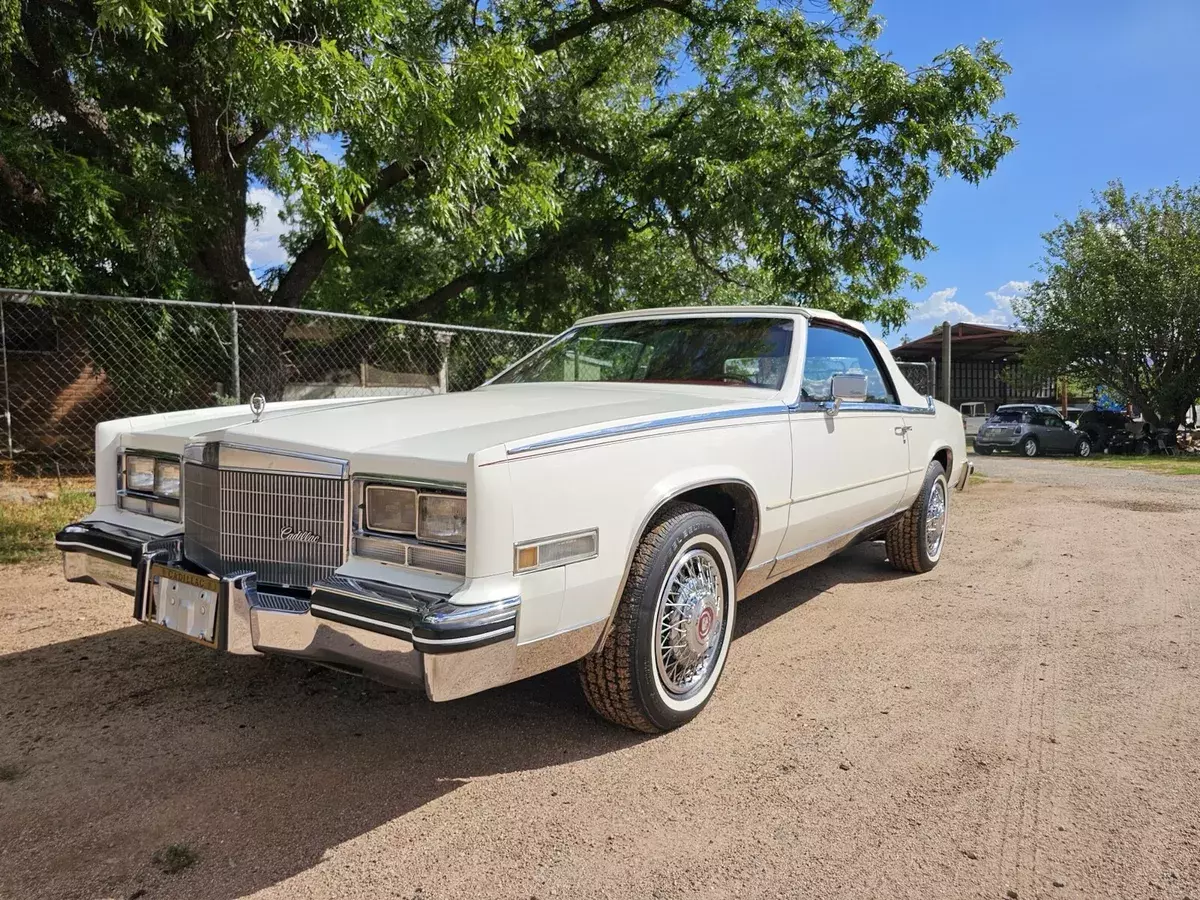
column 721, row 311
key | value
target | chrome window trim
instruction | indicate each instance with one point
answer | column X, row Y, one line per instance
column 880, row 365
column 553, row 539
column 648, row 425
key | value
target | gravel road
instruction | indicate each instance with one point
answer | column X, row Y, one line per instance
column 1024, row 721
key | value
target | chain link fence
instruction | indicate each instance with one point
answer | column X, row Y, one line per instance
column 72, row 360
column 921, row 375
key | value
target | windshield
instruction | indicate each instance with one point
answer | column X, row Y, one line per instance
column 750, row 350
column 1011, row 415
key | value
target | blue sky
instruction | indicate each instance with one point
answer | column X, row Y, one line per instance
column 1103, row 89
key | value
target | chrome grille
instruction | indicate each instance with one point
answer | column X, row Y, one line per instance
column 202, row 516
column 289, row 529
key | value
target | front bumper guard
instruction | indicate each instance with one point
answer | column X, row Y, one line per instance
column 382, row 631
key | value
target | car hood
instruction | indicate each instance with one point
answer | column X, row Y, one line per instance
column 449, row 427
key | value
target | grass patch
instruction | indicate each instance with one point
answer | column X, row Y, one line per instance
column 980, row 478
column 1162, row 465
column 175, row 858
column 27, row 529
column 10, row 772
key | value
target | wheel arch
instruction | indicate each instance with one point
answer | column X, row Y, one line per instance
column 945, row 455
column 732, row 499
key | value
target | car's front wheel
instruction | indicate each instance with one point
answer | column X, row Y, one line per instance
column 1084, row 447
column 914, row 544
column 666, row 648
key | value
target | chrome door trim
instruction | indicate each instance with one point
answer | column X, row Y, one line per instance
column 648, row 425
column 810, row 406
column 851, row 487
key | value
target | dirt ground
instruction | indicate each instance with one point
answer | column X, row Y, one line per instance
column 1022, row 722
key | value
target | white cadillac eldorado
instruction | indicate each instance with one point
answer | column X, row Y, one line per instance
column 606, row 500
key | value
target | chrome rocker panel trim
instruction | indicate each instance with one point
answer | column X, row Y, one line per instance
column 381, row 631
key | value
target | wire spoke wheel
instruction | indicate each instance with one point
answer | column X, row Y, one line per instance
column 691, row 622
column 935, row 519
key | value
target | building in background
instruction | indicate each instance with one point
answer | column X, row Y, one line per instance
column 985, row 367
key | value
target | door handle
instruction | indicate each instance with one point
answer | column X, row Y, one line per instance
column 902, row 430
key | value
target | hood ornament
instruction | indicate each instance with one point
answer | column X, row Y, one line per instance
column 258, row 403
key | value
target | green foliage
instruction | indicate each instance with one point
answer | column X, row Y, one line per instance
column 514, row 162
column 1119, row 301
column 27, row 531
column 157, row 357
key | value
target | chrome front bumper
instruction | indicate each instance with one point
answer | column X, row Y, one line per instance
column 381, row 631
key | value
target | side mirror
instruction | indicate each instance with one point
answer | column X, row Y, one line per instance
column 849, row 388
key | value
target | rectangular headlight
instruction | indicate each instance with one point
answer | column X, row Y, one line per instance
column 152, row 485
column 166, row 479
column 139, row 473
column 391, row 509
column 442, row 518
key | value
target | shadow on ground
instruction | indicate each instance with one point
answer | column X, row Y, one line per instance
column 131, row 740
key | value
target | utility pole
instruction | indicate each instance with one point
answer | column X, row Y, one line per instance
column 946, row 363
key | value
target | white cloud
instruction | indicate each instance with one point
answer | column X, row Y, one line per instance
column 1002, row 298
column 941, row 306
column 263, row 248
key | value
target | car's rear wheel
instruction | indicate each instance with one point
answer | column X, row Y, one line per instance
column 984, row 451
column 1084, row 447
column 914, row 544
column 1030, row 447
column 666, row 648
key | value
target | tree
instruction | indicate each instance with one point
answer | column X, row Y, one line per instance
column 1119, row 301
column 506, row 161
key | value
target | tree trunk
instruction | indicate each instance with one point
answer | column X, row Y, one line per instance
column 263, row 351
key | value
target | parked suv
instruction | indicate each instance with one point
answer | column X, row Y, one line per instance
column 1030, row 429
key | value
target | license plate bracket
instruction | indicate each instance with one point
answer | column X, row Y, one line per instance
column 184, row 603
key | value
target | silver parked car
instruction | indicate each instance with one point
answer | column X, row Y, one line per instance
column 1030, row 429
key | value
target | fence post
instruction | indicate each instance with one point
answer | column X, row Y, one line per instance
column 444, row 338
column 236, row 361
column 7, row 408
column 931, row 384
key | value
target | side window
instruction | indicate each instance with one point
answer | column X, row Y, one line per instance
column 831, row 351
